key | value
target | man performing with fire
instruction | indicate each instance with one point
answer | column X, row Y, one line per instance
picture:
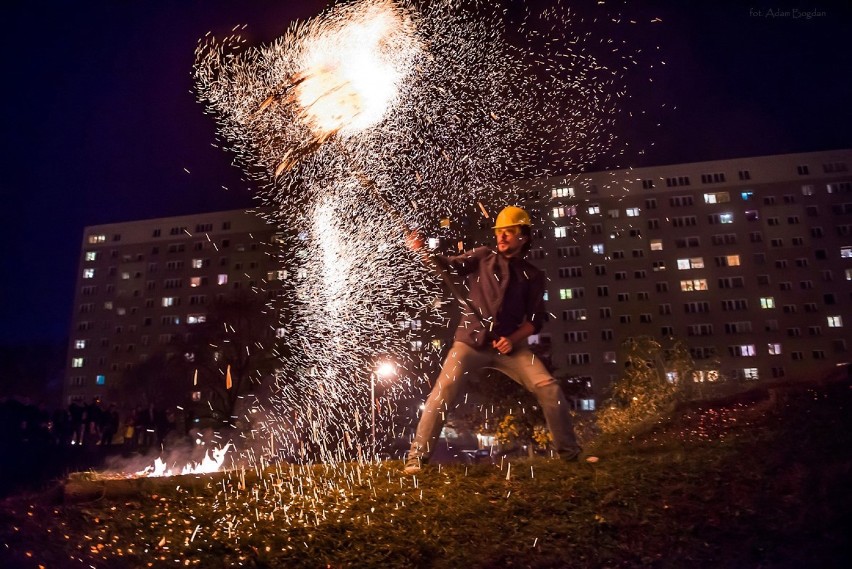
column 507, row 292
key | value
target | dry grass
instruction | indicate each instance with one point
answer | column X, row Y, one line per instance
column 744, row 485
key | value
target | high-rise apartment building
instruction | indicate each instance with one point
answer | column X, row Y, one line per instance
column 748, row 261
column 141, row 283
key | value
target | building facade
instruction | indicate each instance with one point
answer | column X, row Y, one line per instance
column 142, row 284
column 748, row 261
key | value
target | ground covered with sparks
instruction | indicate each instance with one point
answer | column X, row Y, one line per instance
column 756, row 484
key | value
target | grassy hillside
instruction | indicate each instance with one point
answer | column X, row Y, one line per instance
column 754, row 483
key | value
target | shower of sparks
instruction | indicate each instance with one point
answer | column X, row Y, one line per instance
column 425, row 110
column 353, row 72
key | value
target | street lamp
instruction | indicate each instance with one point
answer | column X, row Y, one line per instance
column 381, row 371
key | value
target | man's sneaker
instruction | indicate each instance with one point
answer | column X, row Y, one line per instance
column 413, row 465
column 570, row 455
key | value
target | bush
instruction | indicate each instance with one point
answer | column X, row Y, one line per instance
column 643, row 393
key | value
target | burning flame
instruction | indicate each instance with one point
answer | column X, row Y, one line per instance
column 212, row 462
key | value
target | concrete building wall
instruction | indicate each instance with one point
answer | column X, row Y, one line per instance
column 749, row 261
column 140, row 282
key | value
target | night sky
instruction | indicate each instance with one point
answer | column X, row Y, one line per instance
column 99, row 120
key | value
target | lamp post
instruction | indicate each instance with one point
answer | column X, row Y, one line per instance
column 381, row 371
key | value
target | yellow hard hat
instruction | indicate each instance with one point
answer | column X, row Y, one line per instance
column 510, row 216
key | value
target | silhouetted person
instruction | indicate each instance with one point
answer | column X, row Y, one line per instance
column 109, row 424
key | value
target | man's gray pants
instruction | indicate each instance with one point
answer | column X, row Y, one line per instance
column 521, row 366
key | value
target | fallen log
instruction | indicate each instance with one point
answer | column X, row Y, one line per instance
column 92, row 486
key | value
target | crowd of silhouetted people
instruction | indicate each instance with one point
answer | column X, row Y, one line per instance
column 37, row 443
column 84, row 424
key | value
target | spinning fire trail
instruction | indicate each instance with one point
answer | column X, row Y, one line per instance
column 436, row 110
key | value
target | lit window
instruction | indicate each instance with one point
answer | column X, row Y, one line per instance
column 848, row 274
column 196, row 396
column 835, row 322
column 701, row 376
column 560, row 231
column 733, row 260
column 744, row 350
column 196, row 318
column 97, row 239
column 563, row 192
column 693, row 285
column 747, row 195
column 671, row 377
column 594, row 209
column 598, row 248
column 108, row 305
column 100, row 379
column 88, row 273
column 222, row 279
column 846, row 252
column 774, row 349
column 632, row 212
column 656, row 244
column 91, row 255
column 79, row 344
column 565, row 294
column 726, row 218
column 563, row 211
column 609, row 357
column 692, row 263
column 587, row 404
column 77, row 362
column 750, row 373
column 415, row 324
column 416, row 345
column 767, row 302
column 125, row 276
column 195, row 281
column 718, row 197
column 168, row 301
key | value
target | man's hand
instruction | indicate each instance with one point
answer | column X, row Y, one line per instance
column 503, row 345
